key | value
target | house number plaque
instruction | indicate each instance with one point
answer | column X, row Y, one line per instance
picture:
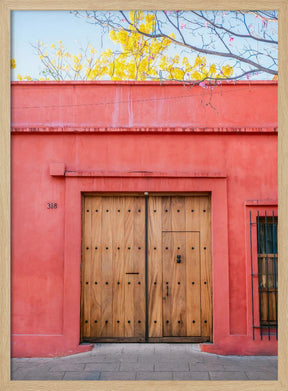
column 52, row 205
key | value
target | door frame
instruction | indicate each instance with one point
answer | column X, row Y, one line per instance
column 191, row 339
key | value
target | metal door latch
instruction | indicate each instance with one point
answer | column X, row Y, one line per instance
column 178, row 259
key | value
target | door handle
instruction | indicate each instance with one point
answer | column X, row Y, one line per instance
column 167, row 290
column 178, row 260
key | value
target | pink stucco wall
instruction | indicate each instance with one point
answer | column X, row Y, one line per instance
column 185, row 140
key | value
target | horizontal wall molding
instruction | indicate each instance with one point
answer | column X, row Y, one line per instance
column 267, row 202
column 142, row 174
column 67, row 129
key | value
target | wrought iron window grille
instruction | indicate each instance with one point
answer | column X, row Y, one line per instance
column 266, row 275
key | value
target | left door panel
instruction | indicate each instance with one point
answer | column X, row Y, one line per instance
column 113, row 268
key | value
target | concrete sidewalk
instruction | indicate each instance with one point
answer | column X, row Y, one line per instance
column 145, row 362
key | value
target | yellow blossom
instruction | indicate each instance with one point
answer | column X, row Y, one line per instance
column 13, row 63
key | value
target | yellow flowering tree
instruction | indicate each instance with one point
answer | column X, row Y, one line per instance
column 142, row 56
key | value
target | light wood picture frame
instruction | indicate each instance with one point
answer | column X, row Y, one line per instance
column 6, row 6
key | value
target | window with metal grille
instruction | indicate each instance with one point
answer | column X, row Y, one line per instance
column 267, row 269
column 264, row 272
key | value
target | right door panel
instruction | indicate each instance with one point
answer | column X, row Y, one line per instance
column 179, row 269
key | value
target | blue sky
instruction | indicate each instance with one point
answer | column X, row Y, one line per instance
column 48, row 26
column 51, row 26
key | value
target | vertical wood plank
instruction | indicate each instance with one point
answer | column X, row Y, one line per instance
column 174, row 306
column 155, row 267
column 178, row 214
column 206, row 276
column 86, row 272
column 166, row 214
column 179, row 282
column 193, row 282
column 139, row 265
column 129, row 306
column 118, row 298
column 167, row 284
column 96, row 272
column 107, row 267
column 128, row 262
column 192, row 207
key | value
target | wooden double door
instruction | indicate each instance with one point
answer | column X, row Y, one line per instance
column 146, row 268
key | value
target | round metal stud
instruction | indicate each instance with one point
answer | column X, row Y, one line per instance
column 154, row 210
column 106, row 321
column 192, row 210
column 178, row 248
column 118, row 321
column 106, row 282
column 139, row 248
column 193, row 282
column 155, row 248
column 167, row 321
column 96, row 248
column 129, row 321
column 204, row 210
column 166, row 248
column 95, row 321
column 166, row 210
column 179, row 321
column 139, row 282
column 193, row 321
column 167, row 282
column 155, row 283
column 86, row 321
column 118, row 248
column 192, row 248
column 87, row 210
column 139, row 210
column 178, row 210
column 155, row 321
column 118, row 210
column 96, row 210
column 205, row 321
column 178, row 282
column 204, row 248
column 129, row 210
column 139, row 321
column 205, row 282
column 107, row 210
column 87, row 282
column 107, row 248
column 129, row 248
column 129, row 282
column 118, row 282
column 87, row 248
column 95, row 282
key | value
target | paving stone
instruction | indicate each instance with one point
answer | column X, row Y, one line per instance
column 142, row 365
column 118, row 376
column 254, row 375
column 83, row 375
column 162, row 347
column 154, row 376
column 179, row 365
column 66, row 366
column 203, row 367
column 190, row 376
column 105, row 366
column 250, row 368
column 173, row 357
column 36, row 374
column 98, row 358
column 228, row 375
